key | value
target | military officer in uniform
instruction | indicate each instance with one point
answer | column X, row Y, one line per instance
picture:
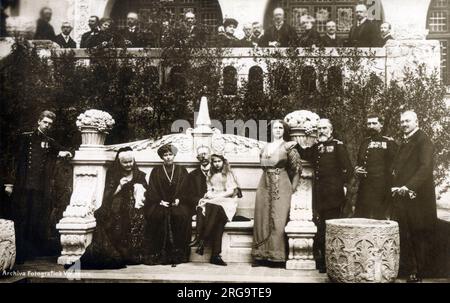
column 375, row 157
column 332, row 171
column 31, row 206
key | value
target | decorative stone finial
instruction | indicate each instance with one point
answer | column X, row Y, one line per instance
column 203, row 122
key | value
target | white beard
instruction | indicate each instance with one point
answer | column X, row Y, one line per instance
column 323, row 138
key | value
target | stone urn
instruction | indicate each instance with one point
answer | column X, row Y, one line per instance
column 90, row 136
column 299, row 121
column 7, row 245
column 94, row 125
column 362, row 250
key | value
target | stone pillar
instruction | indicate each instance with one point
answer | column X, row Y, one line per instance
column 300, row 229
column 90, row 163
column 413, row 26
column 82, row 12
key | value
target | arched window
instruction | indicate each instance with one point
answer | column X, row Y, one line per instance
column 281, row 80
column 308, row 80
column 230, row 80
column 177, row 78
column 255, row 80
column 334, row 77
column 438, row 24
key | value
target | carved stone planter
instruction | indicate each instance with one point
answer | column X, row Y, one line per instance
column 7, row 245
column 92, row 137
column 362, row 250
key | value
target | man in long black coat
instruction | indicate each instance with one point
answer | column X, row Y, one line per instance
column 374, row 164
column 32, row 203
column 414, row 196
column 279, row 34
column 332, row 171
column 44, row 30
column 365, row 33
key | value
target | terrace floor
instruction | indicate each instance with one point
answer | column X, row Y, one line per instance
column 47, row 271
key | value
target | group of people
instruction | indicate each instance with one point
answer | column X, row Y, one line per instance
column 147, row 219
column 365, row 33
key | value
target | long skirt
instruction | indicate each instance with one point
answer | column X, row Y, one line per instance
column 273, row 201
column 168, row 234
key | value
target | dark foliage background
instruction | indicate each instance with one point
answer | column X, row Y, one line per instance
column 144, row 97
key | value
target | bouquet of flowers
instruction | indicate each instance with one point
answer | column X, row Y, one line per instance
column 93, row 118
column 302, row 119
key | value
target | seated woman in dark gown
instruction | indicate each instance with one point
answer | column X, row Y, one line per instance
column 119, row 235
column 168, row 219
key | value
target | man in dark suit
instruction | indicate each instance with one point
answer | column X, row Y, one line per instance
column 132, row 35
column 63, row 39
column 332, row 171
column 90, row 38
column 44, row 30
column 279, row 34
column 246, row 41
column 196, row 33
column 366, row 32
column 257, row 33
column 330, row 39
column 32, row 203
column 413, row 191
column 373, row 169
column 385, row 34
column 310, row 36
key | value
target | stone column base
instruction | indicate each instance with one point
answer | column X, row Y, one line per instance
column 301, row 238
column 75, row 238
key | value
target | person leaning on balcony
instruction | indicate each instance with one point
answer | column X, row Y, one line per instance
column 365, row 33
column 31, row 194
column 279, row 34
column 330, row 39
column 414, row 197
column 385, row 34
column 332, row 171
column 63, row 39
column 257, row 33
column 227, row 37
column 90, row 38
column 246, row 41
column 44, row 30
column 196, row 32
column 133, row 36
column 310, row 37
column 108, row 36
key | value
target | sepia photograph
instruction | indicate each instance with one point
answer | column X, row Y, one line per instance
column 245, row 143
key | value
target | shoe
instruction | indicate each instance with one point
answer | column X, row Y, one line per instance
column 217, row 260
column 257, row 263
column 413, row 278
column 200, row 249
column 322, row 270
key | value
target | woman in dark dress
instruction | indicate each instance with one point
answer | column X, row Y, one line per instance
column 119, row 235
column 168, row 220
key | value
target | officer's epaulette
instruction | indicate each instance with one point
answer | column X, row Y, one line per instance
column 338, row 141
column 388, row 138
column 27, row 133
column 290, row 145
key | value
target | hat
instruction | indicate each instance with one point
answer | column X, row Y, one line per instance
column 230, row 21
